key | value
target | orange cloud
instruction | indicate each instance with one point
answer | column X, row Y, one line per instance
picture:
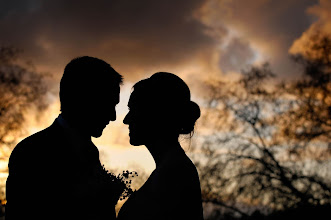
column 323, row 12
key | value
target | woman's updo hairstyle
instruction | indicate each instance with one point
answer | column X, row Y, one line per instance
column 169, row 95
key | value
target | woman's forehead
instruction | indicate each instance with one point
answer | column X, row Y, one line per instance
column 138, row 99
column 133, row 100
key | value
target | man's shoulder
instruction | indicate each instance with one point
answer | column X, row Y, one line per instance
column 49, row 134
column 38, row 143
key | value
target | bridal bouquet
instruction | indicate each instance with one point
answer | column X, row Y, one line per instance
column 116, row 187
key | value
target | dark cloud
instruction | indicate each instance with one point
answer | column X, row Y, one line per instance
column 140, row 36
column 236, row 56
column 269, row 19
column 128, row 34
column 270, row 27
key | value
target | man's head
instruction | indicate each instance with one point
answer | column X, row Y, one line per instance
column 89, row 93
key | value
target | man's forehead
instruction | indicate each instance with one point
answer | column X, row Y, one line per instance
column 115, row 94
column 117, row 98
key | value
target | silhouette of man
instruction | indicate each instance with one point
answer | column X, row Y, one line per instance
column 52, row 174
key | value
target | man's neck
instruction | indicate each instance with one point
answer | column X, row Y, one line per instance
column 75, row 126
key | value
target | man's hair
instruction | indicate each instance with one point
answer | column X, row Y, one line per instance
column 83, row 78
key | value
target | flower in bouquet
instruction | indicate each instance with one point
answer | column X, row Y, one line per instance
column 117, row 187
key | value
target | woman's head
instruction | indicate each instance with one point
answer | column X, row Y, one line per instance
column 160, row 107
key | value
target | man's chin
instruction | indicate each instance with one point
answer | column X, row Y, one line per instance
column 97, row 134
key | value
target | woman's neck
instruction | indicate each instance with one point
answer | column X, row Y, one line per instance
column 160, row 149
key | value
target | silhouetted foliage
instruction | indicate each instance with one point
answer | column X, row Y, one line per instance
column 119, row 185
column 321, row 212
column 269, row 141
column 21, row 88
column 311, row 113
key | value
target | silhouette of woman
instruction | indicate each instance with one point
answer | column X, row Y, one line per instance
column 160, row 110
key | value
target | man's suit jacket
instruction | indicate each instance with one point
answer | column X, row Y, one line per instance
column 52, row 177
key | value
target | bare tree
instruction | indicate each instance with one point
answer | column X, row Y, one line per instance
column 312, row 110
column 21, row 88
column 265, row 139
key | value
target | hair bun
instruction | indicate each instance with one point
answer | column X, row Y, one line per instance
column 191, row 115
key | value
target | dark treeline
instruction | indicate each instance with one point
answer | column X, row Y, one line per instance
column 269, row 148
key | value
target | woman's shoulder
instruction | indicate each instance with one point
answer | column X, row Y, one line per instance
column 177, row 170
column 181, row 162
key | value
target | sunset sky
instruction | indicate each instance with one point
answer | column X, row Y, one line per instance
column 194, row 39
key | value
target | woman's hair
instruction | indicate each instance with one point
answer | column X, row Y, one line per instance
column 169, row 95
